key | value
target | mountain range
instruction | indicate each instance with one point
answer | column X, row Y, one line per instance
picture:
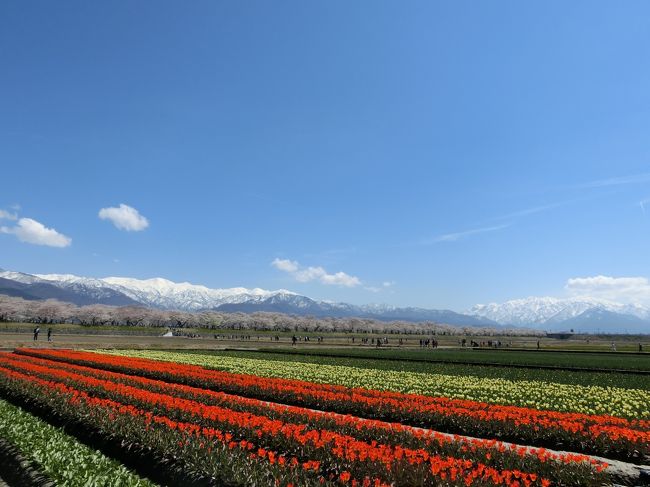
column 581, row 314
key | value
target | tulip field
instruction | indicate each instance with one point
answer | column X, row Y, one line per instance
column 177, row 418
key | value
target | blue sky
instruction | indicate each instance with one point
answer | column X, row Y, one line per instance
column 434, row 154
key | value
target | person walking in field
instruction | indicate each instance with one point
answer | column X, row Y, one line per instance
column 37, row 330
column 49, row 334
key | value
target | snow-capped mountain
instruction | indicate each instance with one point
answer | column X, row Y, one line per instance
column 29, row 286
column 579, row 313
column 19, row 277
column 156, row 292
column 556, row 313
column 165, row 294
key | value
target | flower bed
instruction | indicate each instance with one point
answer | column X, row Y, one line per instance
column 545, row 395
column 605, row 435
column 130, row 389
column 292, row 444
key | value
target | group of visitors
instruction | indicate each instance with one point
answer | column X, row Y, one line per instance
column 425, row 343
column 306, row 338
column 37, row 330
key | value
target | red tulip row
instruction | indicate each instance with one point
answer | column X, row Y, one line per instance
column 350, row 458
column 488, row 452
column 203, row 450
column 604, row 435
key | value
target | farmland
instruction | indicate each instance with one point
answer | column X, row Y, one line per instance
column 326, row 416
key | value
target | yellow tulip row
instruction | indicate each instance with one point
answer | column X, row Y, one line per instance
column 626, row 403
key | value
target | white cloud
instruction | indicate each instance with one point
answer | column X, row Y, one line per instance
column 5, row 215
column 339, row 279
column 124, row 217
column 31, row 231
column 388, row 283
column 285, row 265
column 626, row 290
column 308, row 274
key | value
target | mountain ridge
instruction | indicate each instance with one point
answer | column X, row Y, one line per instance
column 578, row 313
column 164, row 294
column 581, row 313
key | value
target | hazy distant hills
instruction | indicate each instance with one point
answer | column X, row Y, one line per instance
column 580, row 314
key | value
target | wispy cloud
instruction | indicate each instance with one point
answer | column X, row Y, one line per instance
column 643, row 204
column 615, row 181
column 386, row 285
column 509, row 218
column 453, row 237
column 6, row 215
column 530, row 211
column 308, row 274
